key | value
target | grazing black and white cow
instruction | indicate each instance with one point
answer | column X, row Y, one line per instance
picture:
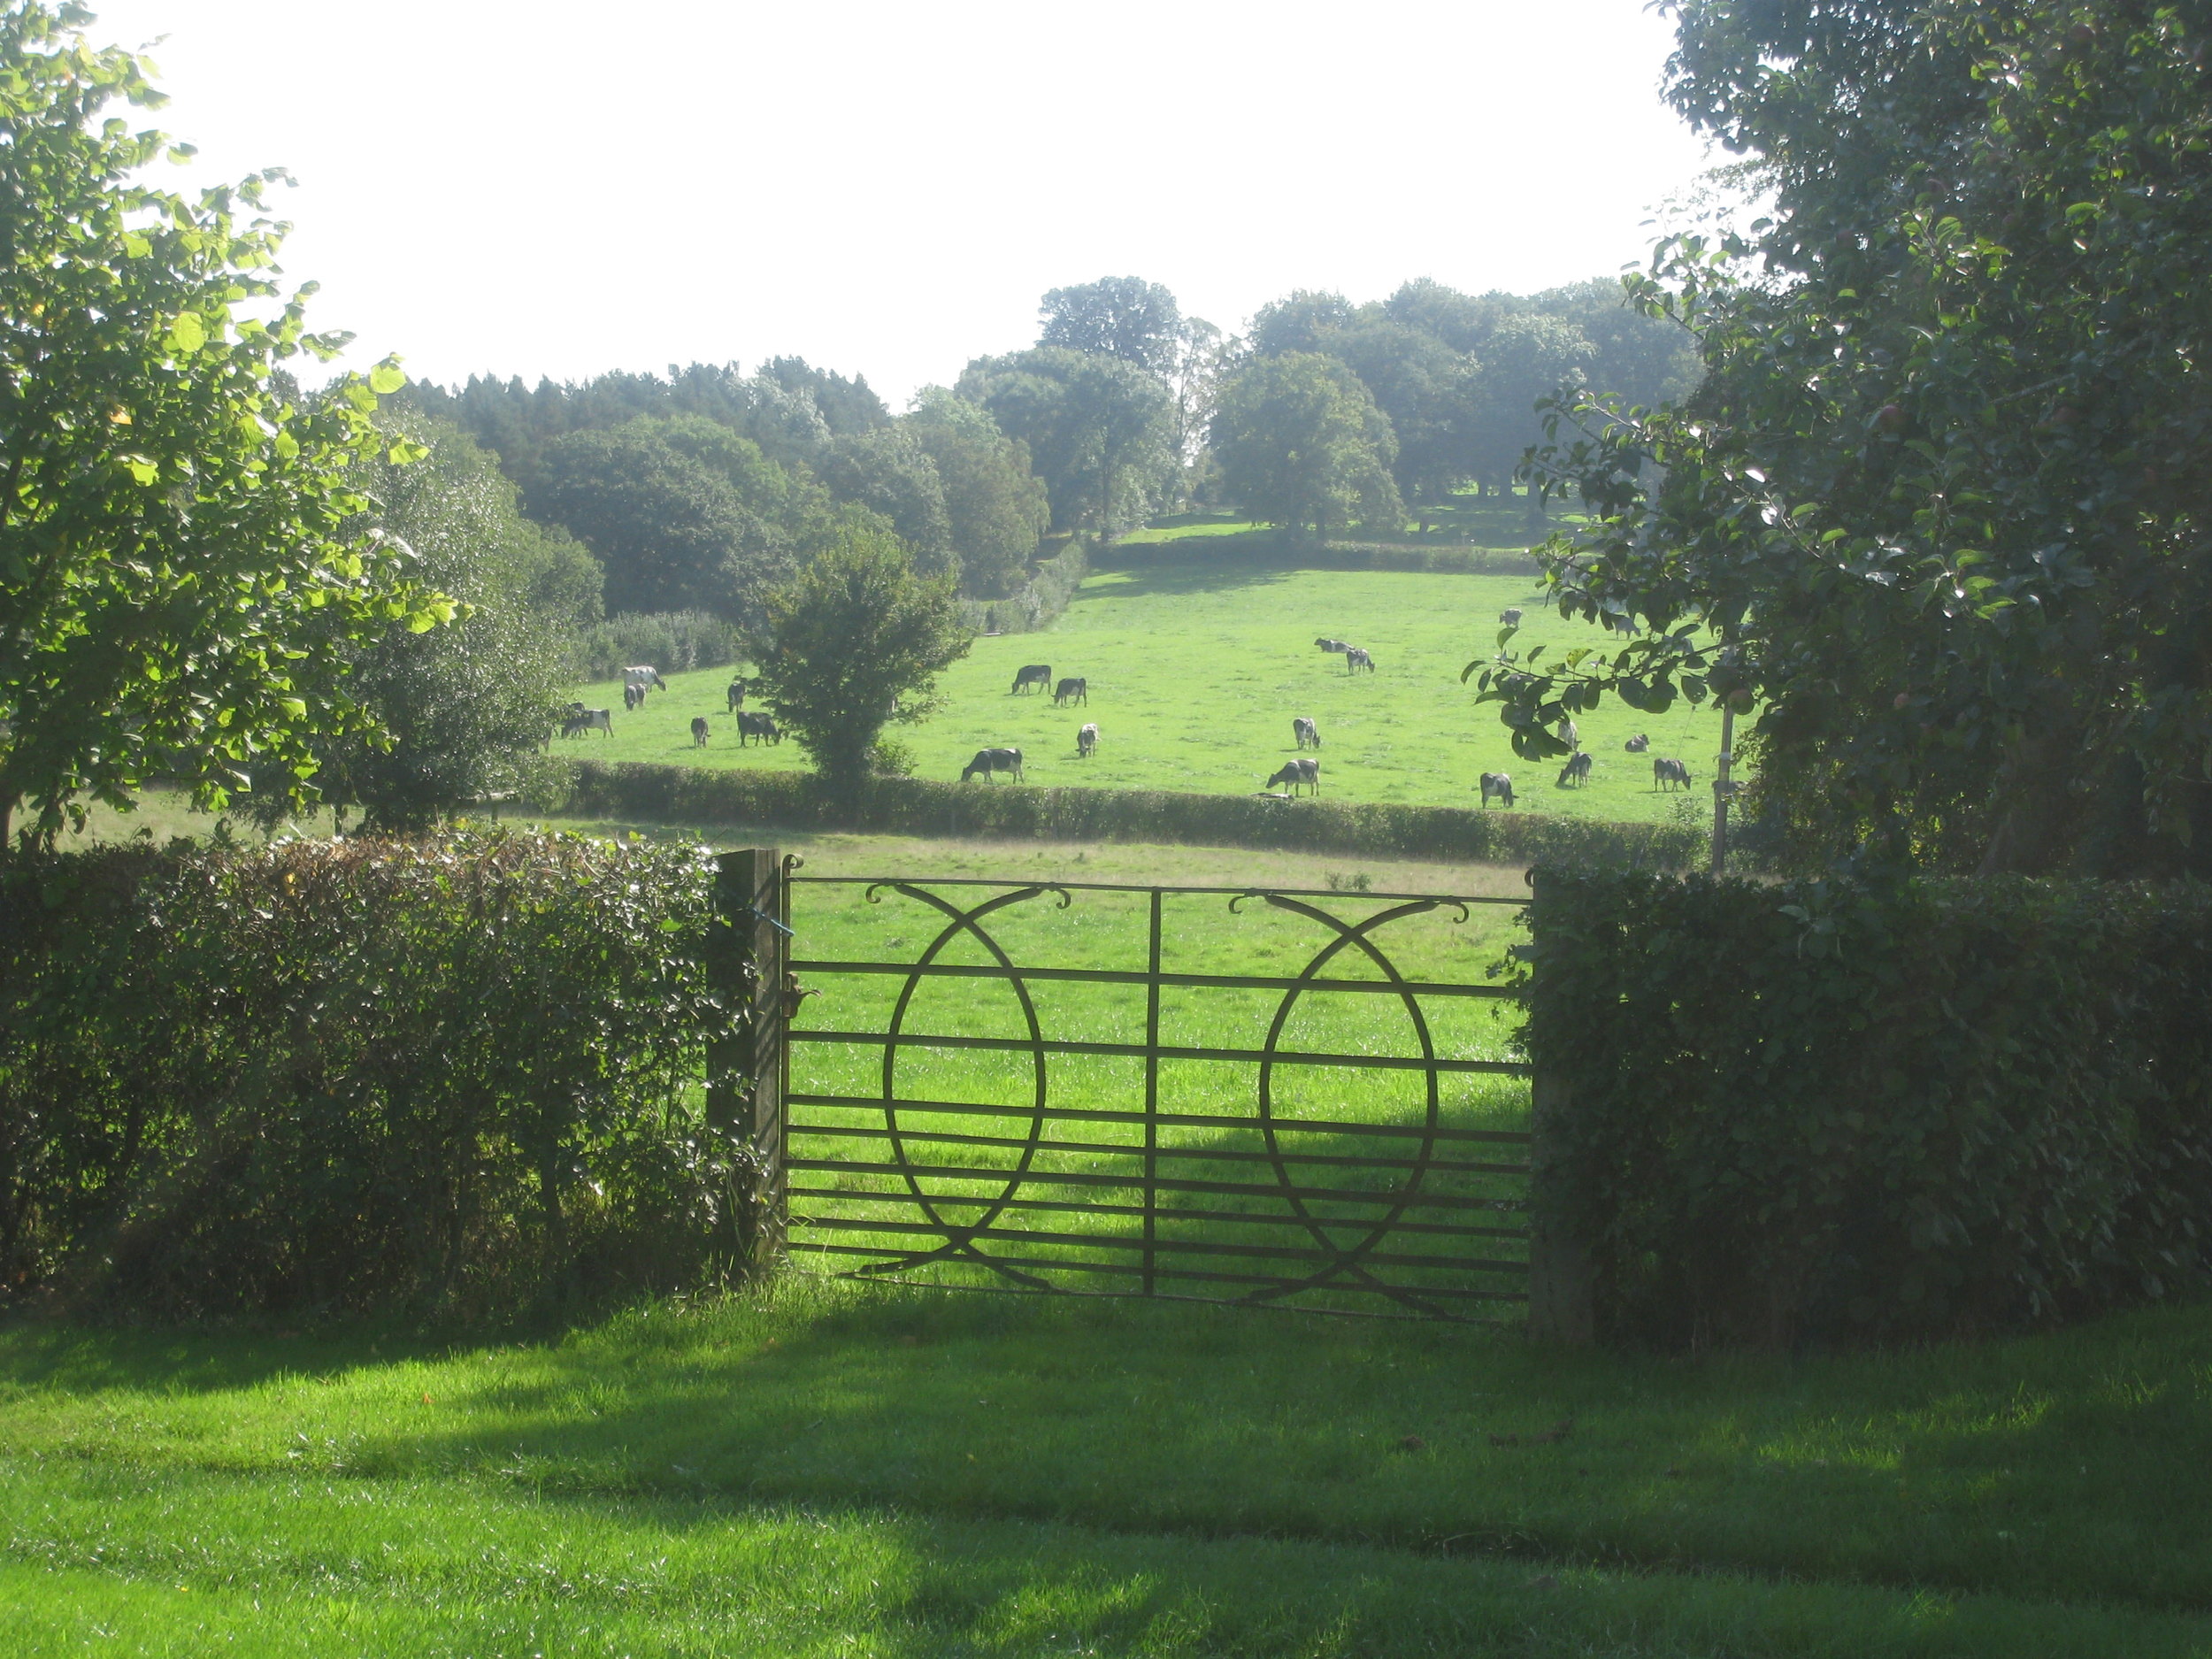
column 1639, row 744
column 989, row 763
column 1577, row 770
column 1037, row 674
column 1338, row 646
column 736, row 695
column 645, row 677
column 1570, row 733
column 631, row 695
column 1074, row 689
column 1086, row 742
column 760, row 724
column 1496, row 785
column 1665, row 772
column 580, row 720
column 1307, row 734
column 698, row 731
column 1511, row 618
column 1356, row 659
column 1298, row 774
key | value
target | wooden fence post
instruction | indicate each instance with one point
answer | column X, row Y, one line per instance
column 1561, row 1305
column 747, row 954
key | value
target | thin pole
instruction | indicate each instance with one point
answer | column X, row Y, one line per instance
column 1720, row 790
column 1152, row 1096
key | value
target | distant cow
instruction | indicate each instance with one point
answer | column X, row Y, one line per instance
column 631, row 695
column 1338, row 646
column 736, row 695
column 1496, row 785
column 1298, row 773
column 1570, row 733
column 1306, row 732
column 1356, row 659
column 1512, row 618
column 759, row 723
column 1071, row 690
column 1037, row 674
column 698, row 731
column 1665, row 772
column 644, row 676
column 1639, row 744
column 580, row 720
column 1086, row 742
column 1577, row 770
column 990, row 762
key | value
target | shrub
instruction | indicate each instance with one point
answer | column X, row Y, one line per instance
column 674, row 642
column 917, row 806
column 456, row 1075
column 1831, row 1112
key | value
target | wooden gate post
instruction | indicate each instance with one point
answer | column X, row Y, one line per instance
column 1561, row 1304
column 747, row 956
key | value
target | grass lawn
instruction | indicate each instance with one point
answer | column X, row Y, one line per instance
column 1196, row 675
column 877, row 1470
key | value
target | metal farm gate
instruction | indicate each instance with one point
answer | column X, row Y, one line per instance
column 1069, row 1086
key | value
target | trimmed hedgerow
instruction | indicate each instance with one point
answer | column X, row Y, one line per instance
column 459, row 1075
column 1824, row 1111
column 919, row 806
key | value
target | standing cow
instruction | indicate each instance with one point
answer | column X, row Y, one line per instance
column 1511, row 618
column 735, row 695
column 645, row 677
column 580, row 719
column 1037, row 674
column 1298, row 774
column 1086, row 742
column 1496, row 785
column 1073, row 689
column 1356, row 659
column 759, row 724
column 1665, row 772
column 1577, row 770
column 1307, row 734
column 989, row 763
column 698, row 731
column 1337, row 646
column 631, row 695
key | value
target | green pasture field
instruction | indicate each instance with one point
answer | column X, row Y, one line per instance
column 1194, row 678
column 827, row 1469
column 1466, row 521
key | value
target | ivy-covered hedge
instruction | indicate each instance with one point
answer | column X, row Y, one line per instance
column 919, row 806
column 456, row 1076
column 1828, row 1112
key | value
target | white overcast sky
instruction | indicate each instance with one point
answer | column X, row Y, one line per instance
column 488, row 186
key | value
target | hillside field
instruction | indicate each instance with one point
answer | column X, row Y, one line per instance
column 1194, row 678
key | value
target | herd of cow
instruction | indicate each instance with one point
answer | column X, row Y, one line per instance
column 1302, row 772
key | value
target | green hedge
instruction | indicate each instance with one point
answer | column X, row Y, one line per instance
column 1827, row 1112
column 1039, row 602
column 916, row 806
column 455, row 1076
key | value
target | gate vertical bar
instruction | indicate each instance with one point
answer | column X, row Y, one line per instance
column 1152, row 1098
column 745, row 957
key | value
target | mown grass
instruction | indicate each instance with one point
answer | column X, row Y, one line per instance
column 1196, row 675
column 886, row 1471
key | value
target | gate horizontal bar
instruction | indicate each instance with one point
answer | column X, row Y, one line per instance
column 1186, row 1247
column 1125, row 886
column 1459, row 1293
column 1196, row 1120
column 1165, row 1183
column 1137, row 976
column 1136, row 1212
column 1138, row 1051
column 950, row 1138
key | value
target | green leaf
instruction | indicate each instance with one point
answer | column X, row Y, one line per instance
column 387, row 378
column 186, row 335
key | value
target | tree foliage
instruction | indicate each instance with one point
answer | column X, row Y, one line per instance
column 853, row 643
column 996, row 509
column 1941, row 503
column 171, row 516
column 1126, row 317
column 1098, row 429
column 1302, row 445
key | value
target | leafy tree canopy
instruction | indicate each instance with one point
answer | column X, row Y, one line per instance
column 1126, row 317
column 889, row 471
column 853, row 643
column 173, row 517
column 1302, row 445
column 995, row 509
column 1098, row 430
column 1939, row 503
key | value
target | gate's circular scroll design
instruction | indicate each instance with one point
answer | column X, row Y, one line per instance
column 1348, row 1262
column 960, row 1236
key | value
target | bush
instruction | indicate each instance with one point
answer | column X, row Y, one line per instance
column 674, row 642
column 1825, row 1112
column 455, row 1075
column 916, row 806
